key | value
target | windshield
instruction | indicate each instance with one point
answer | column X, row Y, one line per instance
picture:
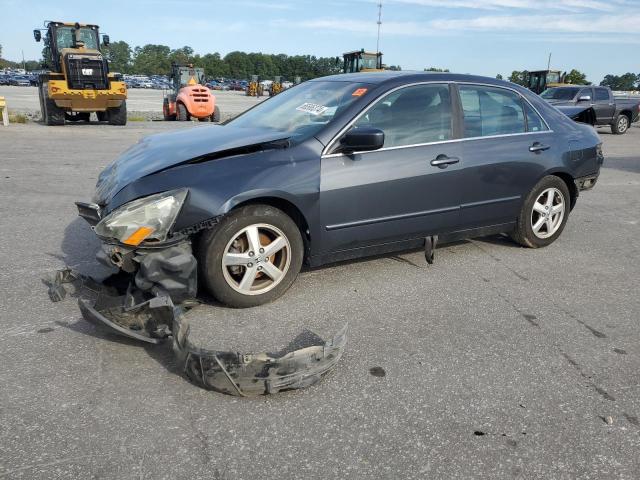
column 64, row 37
column 369, row 62
column 559, row 93
column 305, row 109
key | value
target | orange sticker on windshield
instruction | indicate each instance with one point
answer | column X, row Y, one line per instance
column 359, row 92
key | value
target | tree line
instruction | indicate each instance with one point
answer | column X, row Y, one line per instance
column 152, row 59
column 157, row 59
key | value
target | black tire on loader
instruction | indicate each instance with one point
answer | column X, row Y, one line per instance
column 51, row 113
column 102, row 116
column 118, row 115
column 182, row 115
column 216, row 114
column 165, row 111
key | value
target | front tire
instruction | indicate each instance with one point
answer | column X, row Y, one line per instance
column 216, row 114
column 118, row 115
column 620, row 125
column 544, row 213
column 51, row 113
column 251, row 257
column 182, row 114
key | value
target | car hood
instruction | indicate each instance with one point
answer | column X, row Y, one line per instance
column 159, row 152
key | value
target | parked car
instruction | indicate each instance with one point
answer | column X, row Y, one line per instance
column 4, row 79
column 337, row 168
column 20, row 81
column 599, row 102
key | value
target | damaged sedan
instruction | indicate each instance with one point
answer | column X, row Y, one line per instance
column 337, row 168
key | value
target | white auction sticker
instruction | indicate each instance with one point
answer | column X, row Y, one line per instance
column 312, row 108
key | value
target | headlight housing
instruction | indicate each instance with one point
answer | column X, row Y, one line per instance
column 148, row 218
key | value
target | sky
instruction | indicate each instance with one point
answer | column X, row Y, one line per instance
column 483, row 37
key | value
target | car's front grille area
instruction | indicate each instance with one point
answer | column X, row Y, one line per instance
column 86, row 72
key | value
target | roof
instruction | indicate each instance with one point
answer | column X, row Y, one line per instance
column 390, row 76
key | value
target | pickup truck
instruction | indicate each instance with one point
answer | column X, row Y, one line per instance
column 595, row 105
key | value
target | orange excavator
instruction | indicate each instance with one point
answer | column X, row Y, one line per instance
column 189, row 99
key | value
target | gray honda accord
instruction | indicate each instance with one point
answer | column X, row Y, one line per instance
column 338, row 168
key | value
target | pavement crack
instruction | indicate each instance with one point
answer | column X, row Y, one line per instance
column 599, row 390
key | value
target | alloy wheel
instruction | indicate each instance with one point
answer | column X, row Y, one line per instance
column 548, row 213
column 623, row 124
column 256, row 259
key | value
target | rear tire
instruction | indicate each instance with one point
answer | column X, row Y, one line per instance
column 182, row 114
column 620, row 125
column 544, row 213
column 165, row 111
column 269, row 273
column 51, row 113
column 102, row 116
column 118, row 115
column 216, row 115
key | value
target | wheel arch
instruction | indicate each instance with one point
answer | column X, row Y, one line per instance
column 567, row 178
column 280, row 202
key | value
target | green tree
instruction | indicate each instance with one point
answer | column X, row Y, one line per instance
column 435, row 69
column 628, row 81
column 575, row 77
column 119, row 56
column 518, row 77
column 152, row 59
column 499, row 77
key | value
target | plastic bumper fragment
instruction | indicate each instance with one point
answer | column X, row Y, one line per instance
column 254, row 374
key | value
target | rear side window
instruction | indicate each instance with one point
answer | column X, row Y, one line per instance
column 491, row 111
column 534, row 122
column 602, row 95
column 412, row 115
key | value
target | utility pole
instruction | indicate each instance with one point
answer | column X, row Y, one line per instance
column 549, row 62
column 23, row 61
column 379, row 25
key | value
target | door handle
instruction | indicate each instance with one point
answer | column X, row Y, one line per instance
column 442, row 161
column 538, row 147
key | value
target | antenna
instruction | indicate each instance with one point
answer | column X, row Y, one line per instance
column 549, row 62
column 379, row 25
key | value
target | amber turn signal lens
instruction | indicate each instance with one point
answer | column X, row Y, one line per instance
column 137, row 237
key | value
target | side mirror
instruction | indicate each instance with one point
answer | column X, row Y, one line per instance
column 37, row 35
column 362, row 140
column 105, row 40
column 584, row 98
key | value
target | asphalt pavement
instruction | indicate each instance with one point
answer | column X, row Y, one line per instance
column 495, row 362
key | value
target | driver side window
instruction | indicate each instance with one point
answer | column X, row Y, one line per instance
column 412, row 115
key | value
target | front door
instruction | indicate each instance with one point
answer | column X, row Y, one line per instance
column 405, row 190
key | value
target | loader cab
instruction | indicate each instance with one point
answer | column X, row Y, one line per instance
column 538, row 81
column 74, row 36
column 361, row 61
column 185, row 75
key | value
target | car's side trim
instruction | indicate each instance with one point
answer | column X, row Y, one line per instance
column 390, row 218
column 489, row 202
column 434, row 82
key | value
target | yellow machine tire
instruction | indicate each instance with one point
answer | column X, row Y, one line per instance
column 51, row 113
column 118, row 115
column 216, row 114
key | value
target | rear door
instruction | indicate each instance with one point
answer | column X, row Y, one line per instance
column 604, row 105
column 503, row 154
column 405, row 190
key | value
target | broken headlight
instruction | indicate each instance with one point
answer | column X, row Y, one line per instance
column 144, row 219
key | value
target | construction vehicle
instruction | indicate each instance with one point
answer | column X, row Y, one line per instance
column 254, row 89
column 539, row 80
column 361, row 61
column 189, row 97
column 77, row 81
column 276, row 86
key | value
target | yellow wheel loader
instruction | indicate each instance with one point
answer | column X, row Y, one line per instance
column 361, row 61
column 78, row 81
